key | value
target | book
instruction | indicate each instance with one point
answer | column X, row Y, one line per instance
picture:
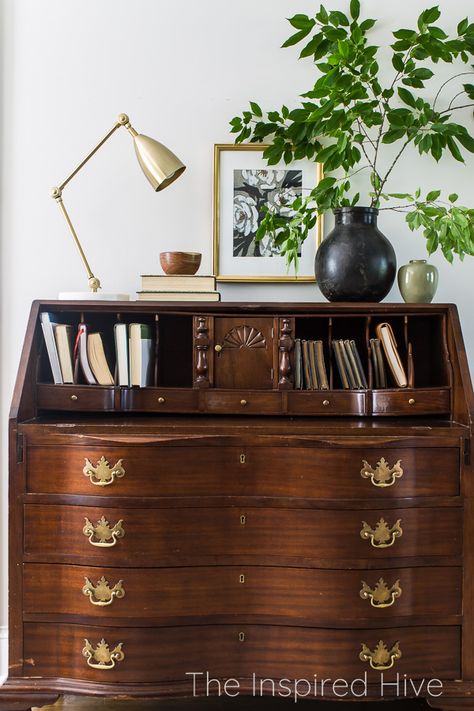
column 179, row 296
column 63, row 338
column 312, row 365
column 97, row 359
column 121, row 354
column 80, row 356
column 321, row 366
column 380, row 376
column 48, row 322
column 337, row 347
column 308, row 384
column 140, row 354
column 386, row 335
column 180, row 282
column 351, row 376
column 298, row 365
column 360, row 369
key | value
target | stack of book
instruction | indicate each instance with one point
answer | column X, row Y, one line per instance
column 182, row 287
column 310, row 368
column 349, row 365
column 89, row 357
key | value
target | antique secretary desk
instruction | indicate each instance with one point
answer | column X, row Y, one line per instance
column 222, row 520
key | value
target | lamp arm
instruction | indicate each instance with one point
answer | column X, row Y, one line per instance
column 56, row 194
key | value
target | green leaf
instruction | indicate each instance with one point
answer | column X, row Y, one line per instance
column 463, row 25
column 297, row 37
column 433, row 195
column 422, row 73
column 393, row 135
column 453, row 197
column 355, row 9
column 343, row 48
column 469, row 89
column 367, row 25
column 301, row 22
column 256, row 109
column 407, row 97
column 404, row 34
column 455, row 152
column 338, row 18
column 397, row 62
column 466, row 141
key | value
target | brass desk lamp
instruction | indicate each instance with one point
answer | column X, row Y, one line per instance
column 160, row 166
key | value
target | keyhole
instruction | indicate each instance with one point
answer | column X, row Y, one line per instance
column 242, row 458
column 242, row 520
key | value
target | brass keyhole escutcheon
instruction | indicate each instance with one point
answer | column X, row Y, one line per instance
column 242, row 520
column 242, row 458
column 241, row 578
column 241, row 636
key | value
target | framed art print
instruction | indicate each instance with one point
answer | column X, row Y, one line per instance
column 243, row 185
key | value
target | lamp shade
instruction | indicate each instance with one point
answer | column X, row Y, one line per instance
column 159, row 164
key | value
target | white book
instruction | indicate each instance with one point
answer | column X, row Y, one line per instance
column 141, row 354
column 63, row 337
column 121, row 352
column 48, row 323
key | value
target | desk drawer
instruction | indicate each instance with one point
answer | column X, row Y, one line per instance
column 245, row 402
column 255, row 594
column 169, row 653
column 190, row 536
column 76, row 398
column 306, row 472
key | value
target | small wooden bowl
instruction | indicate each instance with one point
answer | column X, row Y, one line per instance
column 180, row 262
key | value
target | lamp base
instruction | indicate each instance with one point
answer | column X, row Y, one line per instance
column 91, row 296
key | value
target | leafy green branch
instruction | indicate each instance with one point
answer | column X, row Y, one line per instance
column 348, row 116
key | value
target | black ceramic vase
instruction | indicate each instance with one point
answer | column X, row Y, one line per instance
column 355, row 262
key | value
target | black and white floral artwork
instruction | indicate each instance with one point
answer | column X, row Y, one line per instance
column 254, row 189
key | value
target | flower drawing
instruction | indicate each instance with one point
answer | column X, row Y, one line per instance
column 254, row 192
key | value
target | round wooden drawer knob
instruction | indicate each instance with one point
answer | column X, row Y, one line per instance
column 325, row 403
column 243, row 403
column 74, row 397
column 411, row 401
column 161, row 400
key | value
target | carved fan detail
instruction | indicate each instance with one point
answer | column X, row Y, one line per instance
column 244, row 337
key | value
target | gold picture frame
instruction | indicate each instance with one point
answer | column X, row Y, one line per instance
column 223, row 194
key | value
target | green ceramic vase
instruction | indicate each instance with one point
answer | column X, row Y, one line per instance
column 418, row 281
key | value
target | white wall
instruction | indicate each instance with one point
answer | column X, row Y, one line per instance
column 181, row 70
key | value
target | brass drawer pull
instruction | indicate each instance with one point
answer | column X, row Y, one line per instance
column 161, row 400
column 103, row 474
column 102, row 657
column 381, row 536
column 411, row 401
column 243, row 403
column 381, row 595
column 102, row 534
column 217, row 348
column 102, row 594
column 381, row 658
column 383, row 475
column 74, row 398
column 326, row 403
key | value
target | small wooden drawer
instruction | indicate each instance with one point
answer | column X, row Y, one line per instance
column 419, row 401
column 308, row 472
column 278, row 652
column 327, row 402
column 160, row 399
column 76, row 398
column 250, row 402
column 206, row 594
column 234, row 535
